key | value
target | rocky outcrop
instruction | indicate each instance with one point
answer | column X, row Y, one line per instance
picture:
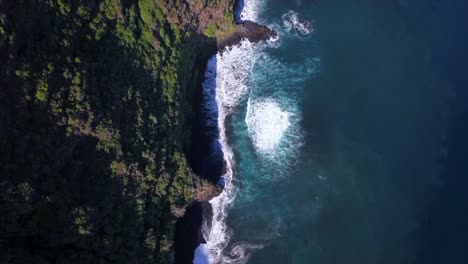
column 247, row 30
column 207, row 192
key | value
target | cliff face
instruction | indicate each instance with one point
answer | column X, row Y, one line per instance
column 97, row 105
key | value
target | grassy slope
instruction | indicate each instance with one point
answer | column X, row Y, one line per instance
column 95, row 116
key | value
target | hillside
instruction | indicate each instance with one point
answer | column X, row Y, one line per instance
column 97, row 109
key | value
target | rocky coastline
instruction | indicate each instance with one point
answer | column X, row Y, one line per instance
column 108, row 93
column 189, row 227
column 246, row 30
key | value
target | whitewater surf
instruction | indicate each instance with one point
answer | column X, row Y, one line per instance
column 272, row 122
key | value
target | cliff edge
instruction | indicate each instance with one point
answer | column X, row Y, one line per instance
column 99, row 118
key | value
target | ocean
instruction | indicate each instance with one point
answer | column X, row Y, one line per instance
column 344, row 137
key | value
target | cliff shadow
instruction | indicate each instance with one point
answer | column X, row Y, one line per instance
column 206, row 155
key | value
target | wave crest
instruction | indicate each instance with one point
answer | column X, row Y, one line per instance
column 293, row 22
column 266, row 123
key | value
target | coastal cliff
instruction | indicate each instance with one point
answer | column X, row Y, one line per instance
column 100, row 140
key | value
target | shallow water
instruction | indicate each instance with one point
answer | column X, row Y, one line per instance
column 338, row 133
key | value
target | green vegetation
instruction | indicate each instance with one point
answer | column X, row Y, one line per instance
column 222, row 27
column 95, row 116
column 211, row 30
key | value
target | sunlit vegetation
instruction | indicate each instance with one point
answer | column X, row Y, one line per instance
column 95, row 114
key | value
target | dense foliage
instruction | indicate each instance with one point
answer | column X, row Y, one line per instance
column 95, row 117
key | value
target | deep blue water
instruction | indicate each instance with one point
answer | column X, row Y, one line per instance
column 351, row 145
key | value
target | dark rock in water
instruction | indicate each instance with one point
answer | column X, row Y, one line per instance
column 254, row 32
column 247, row 30
column 295, row 22
column 306, row 24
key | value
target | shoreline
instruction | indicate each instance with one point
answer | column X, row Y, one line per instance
column 252, row 31
column 188, row 233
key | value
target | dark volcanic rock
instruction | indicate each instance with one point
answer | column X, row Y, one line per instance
column 247, row 30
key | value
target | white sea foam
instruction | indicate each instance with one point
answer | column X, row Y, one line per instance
column 266, row 122
column 227, row 76
column 271, row 123
column 273, row 112
column 293, row 22
column 226, row 80
column 251, row 9
column 274, row 127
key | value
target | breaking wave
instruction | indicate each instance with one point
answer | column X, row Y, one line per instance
column 266, row 123
column 272, row 118
column 227, row 75
column 293, row 22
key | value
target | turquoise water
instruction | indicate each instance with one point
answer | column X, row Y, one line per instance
column 338, row 134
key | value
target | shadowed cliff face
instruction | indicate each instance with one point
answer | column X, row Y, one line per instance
column 189, row 231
